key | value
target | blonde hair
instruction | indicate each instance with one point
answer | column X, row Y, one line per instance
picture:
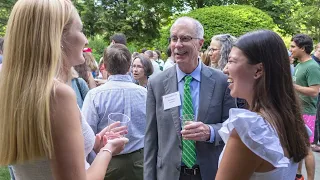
column 33, row 55
column 206, row 58
column 90, row 61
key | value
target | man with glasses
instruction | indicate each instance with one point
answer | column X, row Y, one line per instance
column 176, row 148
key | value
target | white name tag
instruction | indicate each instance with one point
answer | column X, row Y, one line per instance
column 171, row 100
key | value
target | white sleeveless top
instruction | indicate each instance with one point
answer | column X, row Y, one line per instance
column 41, row 169
column 260, row 137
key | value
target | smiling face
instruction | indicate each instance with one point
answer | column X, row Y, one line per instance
column 138, row 70
column 241, row 75
column 185, row 51
column 214, row 51
column 75, row 42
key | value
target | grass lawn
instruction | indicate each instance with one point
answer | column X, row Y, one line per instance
column 4, row 173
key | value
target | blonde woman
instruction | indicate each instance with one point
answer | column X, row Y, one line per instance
column 40, row 123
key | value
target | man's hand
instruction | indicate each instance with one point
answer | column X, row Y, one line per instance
column 197, row 131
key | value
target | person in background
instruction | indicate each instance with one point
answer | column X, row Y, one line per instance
column 269, row 140
column 156, row 68
column 291, row 60
column 219, row 50
column 315, row 145
column 141, row 69
column 170, row 61
column 118, row 38
column 176, row 149
column 42, row 132
column 119, row 95
column 306, row 83
column 143, row 50
column 316, row 55
column 157, row 59
column 206, row 58
column 135, row 54
column 85, row 73
column 79, row 86
column 91, row 62
column 102, row 69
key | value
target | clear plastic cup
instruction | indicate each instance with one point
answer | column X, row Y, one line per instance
column 118, row 117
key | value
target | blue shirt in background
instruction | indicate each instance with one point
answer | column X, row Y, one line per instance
column 195, row 91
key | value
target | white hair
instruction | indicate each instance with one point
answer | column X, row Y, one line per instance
column 197, row 24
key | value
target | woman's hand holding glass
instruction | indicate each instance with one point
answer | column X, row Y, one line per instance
column 108, row 134
column 116, row 145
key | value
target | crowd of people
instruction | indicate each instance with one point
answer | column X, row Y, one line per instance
column 238, row 110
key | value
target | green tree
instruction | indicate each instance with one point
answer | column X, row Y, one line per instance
column 235, row 20
column 5, row 9
column 139, row 20
column 281, row 11
column 307, row 17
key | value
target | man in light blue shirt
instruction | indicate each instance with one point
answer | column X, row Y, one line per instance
column 195, row 94
column 120, row 95
column 173, row 151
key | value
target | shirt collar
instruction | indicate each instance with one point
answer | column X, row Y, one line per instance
column 120, row 77
column 195, row 73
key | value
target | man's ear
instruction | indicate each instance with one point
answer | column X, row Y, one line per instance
column 201, row 41
column 259, row 71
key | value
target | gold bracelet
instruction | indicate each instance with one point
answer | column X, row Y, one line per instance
column 106, row 149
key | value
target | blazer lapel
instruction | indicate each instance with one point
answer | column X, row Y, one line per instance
column 206, row 90
column 171, row 86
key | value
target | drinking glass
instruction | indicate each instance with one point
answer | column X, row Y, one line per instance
column 118, row 117
column 186, row 118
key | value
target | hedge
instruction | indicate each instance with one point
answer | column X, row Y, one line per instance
column 234, row 19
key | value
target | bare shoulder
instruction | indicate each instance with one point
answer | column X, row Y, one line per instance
column 230, row 171
column 63, row 92
column 63, row 102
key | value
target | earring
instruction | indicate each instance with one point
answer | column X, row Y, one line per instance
column 61, row 46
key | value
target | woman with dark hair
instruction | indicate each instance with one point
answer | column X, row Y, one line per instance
column 270, row 137
column 85, row 73
column 141, row 68
column 219, row 50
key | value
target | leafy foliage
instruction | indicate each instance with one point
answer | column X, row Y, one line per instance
column 235, row 20
column 308, row 17
column 5, row 9
column 97, row 44
column 139, row 20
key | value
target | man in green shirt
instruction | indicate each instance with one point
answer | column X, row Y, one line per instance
column 307, row 84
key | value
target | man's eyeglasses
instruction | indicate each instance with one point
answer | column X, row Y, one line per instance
column 182, row 38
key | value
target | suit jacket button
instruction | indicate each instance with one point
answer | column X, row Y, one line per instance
column 179, row 167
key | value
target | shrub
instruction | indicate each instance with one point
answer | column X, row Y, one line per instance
column 234, row 19
column 97, row 44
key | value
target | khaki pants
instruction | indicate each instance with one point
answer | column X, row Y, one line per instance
column 126, row 167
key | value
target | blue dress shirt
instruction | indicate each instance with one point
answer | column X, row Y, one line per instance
column 195, row 91
column 118, row 95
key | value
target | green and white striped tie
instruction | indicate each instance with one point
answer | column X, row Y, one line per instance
column 188, row 146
